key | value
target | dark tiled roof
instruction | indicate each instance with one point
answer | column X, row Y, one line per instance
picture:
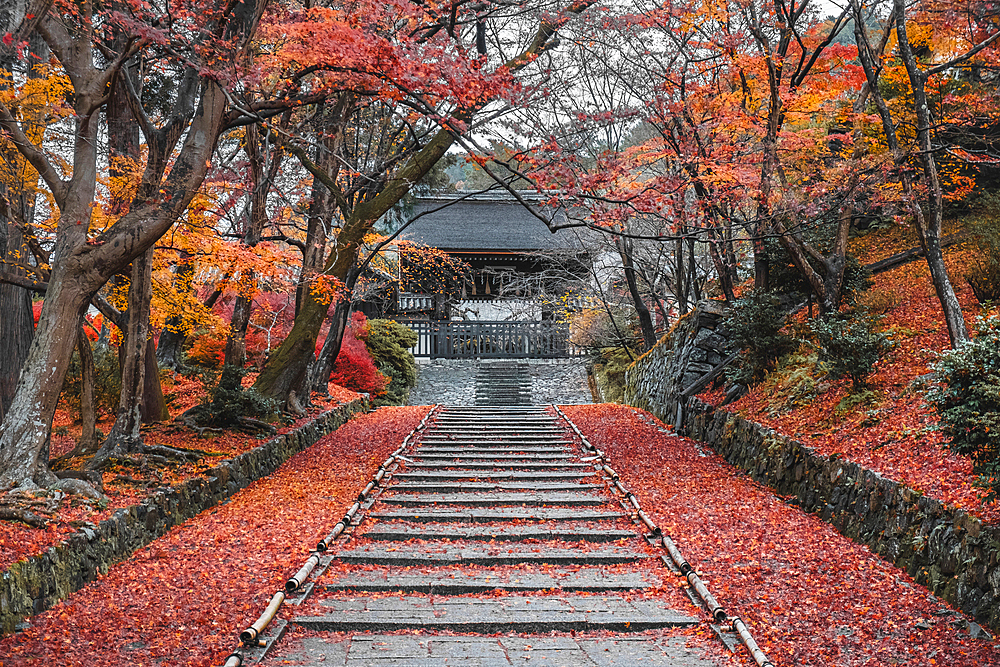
column 487, row 224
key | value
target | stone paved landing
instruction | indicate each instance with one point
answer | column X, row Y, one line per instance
column 423, row 651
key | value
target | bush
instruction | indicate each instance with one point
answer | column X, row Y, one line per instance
column 207, row 352
column 857, row 280
column 228, row 402
column 849, row 345
column 354, row 368
column 107, row 381
column 983, row 275
column 754, row 324
column 388, row 343
column 611, row 372
column 793, row 384
column 966, row 394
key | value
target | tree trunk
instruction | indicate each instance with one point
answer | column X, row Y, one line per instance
column 168, row 349
column 124, row 437
column 17, row 327
column 645, row 321
column 17, row 205
column 958, row 333
column 154, row 405
column 88, row 408
column 324, row 364
column 236, row 342
column 26, row 425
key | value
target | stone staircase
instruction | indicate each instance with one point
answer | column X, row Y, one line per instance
column 503, row 383
column 497, row 524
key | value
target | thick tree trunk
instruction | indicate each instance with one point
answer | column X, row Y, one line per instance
column 154, row 405
column 25, row 428
column 168, row 349
column 17, row 327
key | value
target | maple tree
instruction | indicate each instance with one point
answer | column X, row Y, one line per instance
column 452, row 86
column 177, row 157
column 958, row 43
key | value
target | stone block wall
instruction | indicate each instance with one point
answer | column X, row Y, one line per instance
column 33, row 585
column 693, row 347
column 942, row 547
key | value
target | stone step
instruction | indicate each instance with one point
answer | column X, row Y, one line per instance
column 476, row 455
column 400, row 532
column 444, row 487
column 474, row 419
column 480, row 450
column 509, row 475
column 584, row 579
column 433, row 554
column 507, row 465
column 506, row 425
column 497, row 615
column 482, row 515
column 422, row 650
column 486, row 443
column 493, row 436
column 493, row 499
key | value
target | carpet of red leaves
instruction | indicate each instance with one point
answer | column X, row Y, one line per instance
column 896, row 434
column 19, row 541
column 809, row 595
column 183, row 599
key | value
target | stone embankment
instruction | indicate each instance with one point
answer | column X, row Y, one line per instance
column 35, row 584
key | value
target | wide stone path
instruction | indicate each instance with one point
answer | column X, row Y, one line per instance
column 495, row 542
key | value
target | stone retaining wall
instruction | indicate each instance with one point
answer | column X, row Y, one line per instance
column 33, row 585
column 942, row 547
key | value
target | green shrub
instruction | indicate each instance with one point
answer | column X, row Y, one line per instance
column 754, row 324
column 983, row 274
column 388, row 343
column 228, row 402
column 611, row 373
column 857, row 280
column 849, row 344
column 966, row 394
column 107, row 381
column 793, row 383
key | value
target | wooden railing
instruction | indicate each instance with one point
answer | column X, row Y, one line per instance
column 507, row 340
